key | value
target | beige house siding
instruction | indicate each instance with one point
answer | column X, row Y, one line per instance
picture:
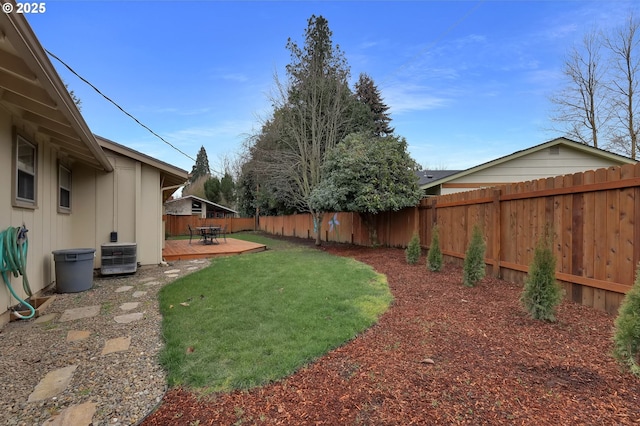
column 113, row 188
column 127, row 201
column 48, row 229
column 549, row 162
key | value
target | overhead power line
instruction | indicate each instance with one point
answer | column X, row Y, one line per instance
column 124, row 111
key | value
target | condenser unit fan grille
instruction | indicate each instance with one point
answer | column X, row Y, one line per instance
column 119, row 258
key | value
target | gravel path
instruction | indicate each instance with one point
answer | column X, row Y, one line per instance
column 124, row 385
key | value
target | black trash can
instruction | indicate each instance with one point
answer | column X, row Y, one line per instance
column 74, row 269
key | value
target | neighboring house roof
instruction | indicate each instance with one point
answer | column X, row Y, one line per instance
column 428, row 176
column 193, row 197
column 616, row 158
column 171, row 176
column 34, row 93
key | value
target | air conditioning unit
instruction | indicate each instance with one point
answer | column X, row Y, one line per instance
column 119, row 258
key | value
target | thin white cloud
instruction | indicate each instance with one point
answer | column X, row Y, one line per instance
column 409, row 97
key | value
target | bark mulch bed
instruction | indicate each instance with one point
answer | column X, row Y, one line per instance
column 442, row 354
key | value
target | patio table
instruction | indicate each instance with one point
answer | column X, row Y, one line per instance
column 209, row 234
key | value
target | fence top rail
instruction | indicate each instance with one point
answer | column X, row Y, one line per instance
column 539, row 193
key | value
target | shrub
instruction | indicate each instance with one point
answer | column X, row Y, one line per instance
column 542, row 293
column 626, row 339
column 434, row 258
column 474, row 267
column 413, row 250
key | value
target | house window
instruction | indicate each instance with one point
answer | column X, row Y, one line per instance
column 26, row 173
column 64, row 189
column 196, row 207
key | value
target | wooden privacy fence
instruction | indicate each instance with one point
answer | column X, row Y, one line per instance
column 175, row 225
column 593, row 216
column 393, row 228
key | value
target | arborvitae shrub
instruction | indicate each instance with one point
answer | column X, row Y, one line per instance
column 542, row 293
column 474, row 267
column 413, row 250
column 626, row 339
column 434, row 258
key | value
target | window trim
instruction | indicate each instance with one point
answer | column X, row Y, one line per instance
column 16, row 200
column 61, row 208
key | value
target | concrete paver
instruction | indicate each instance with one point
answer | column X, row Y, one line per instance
column 75, row 335
column 77, row 313
column 128, row 306
column 53, row 383
column 76, row 415
column 118, row 344
column 128, row 318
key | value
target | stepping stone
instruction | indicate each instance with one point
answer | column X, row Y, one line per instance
column 173, row 275
column 123, row 288
column 150, row 283
column 80, row 415
column 45, row 318
column 52, row 384
column 129, row 306
column 172, row 271
column 126, row 319
column 191, row 268
column 139, row 294
column 78, row 313
column 118, row 344
column 75, row 335
column 144, row 280
column 197, row 261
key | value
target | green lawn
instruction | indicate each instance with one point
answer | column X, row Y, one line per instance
column 255, row 318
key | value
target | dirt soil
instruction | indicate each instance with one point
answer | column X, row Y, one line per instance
column 443, row 354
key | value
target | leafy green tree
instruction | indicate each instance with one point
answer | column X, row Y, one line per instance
column 367, row 93
column 368, row 175
column 474, row 266
column 626, row 339
column 413, row 251
column 542, row 293
column 434, row 257
column 212, row 189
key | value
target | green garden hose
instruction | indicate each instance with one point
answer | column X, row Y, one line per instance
column 13, row 259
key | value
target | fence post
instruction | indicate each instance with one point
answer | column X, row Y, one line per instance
column 497, row 220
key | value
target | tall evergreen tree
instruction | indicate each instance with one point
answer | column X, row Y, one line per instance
column 212, row 189
column 228, row 189
column 368, row 94
column 201, row 168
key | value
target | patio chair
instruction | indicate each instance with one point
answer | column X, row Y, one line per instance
column 190, row 233
column 223, row 232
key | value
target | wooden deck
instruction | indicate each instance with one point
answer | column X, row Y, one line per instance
column 182, row 250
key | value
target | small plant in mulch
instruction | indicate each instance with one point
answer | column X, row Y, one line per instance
column 474, row 267
column 542, row 293
column 434, row 258
column 626, row 339
column 412, row 253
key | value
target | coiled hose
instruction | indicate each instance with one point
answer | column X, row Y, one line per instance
column 13, row 259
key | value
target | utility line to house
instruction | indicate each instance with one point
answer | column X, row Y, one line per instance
column 124, row 111
column 434, row 42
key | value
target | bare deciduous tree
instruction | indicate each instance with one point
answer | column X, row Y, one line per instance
column 310, row 118
column 623, row 43
column 581, row 106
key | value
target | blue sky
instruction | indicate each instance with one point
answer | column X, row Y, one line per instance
column 466, row 81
